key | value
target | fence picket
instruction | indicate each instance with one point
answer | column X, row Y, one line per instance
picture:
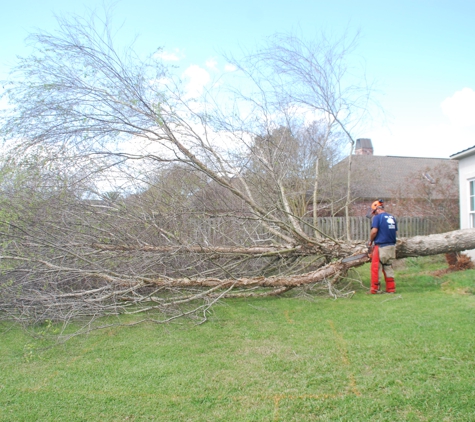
column 217, row 230
column 361, row 226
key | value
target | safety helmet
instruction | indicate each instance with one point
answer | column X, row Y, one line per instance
column 376, row 204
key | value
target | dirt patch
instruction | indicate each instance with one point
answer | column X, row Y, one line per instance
column 457, row 262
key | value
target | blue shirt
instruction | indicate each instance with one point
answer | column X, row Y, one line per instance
column 387, row 228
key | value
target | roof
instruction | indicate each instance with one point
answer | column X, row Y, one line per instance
column 464, row 153
column 376, row 176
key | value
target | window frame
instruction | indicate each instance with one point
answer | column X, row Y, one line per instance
column 471, row 203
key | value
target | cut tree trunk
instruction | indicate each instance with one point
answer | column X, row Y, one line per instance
column 131, row 293
column 435, row 244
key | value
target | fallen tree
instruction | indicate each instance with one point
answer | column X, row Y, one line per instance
column 103, row 292
column 455, row 241
column 124, row 194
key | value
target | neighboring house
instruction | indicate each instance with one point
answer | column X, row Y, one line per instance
column 466, row 162
column 403, row 182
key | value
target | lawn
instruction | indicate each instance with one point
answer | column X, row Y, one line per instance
column 405, row 357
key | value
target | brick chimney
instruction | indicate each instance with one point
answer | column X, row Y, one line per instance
column 363, row 147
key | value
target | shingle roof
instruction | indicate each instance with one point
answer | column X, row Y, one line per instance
column 376, row 176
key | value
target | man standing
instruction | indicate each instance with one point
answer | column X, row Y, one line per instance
column 383, row 234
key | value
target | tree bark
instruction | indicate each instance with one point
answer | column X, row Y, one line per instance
column 434, row 244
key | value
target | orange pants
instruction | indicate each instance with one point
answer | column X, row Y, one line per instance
column 381, row 264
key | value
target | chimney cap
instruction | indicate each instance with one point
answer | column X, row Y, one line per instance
column 363, row 147
column 363, row 143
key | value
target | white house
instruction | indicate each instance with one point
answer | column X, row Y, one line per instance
column 466, row 159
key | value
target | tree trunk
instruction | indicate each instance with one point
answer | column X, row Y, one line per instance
column 434, row 244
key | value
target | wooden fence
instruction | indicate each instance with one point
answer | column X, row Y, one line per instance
column 221, row 231
column 361, row 226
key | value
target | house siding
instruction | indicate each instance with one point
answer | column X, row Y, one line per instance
column 466, row 173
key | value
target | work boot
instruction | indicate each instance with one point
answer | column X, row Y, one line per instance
column 374, row 292
column 375, row 288
column 390, row 285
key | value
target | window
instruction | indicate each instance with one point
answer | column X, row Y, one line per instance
column 429, row 178
column 472, row 204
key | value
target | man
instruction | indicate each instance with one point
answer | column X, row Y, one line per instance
column 383, row 234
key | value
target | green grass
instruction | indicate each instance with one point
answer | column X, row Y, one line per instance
column 405, row 357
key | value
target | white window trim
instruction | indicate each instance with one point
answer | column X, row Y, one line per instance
column 471, row 203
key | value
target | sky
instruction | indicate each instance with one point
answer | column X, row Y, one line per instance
column 419, row 53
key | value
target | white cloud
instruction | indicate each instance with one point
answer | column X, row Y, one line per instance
column 211, row 64
column 438, row 140
column 170, row 56
column 460, row 108
column 197, row 79
column 230, row 68
column 4, row 104
column 429, row 135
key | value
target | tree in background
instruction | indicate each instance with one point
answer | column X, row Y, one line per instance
column 432, row 193
column 314, row 77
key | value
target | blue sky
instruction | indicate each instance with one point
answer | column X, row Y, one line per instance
column 420, row 53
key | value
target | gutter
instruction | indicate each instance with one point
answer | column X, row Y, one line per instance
column 462, row 154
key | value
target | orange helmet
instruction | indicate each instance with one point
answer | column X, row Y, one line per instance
column 376, row 204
